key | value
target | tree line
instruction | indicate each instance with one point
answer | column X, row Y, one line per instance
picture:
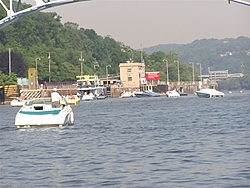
column 58, row 51
column 214, row 54
column 41, row 39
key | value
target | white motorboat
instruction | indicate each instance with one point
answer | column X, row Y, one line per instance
column 209, row 93
column 87, row 97
column 127, row 94
column 142, row 94
column 89, row 87
column 182, row 93
column 172, row 94
column 101, row 96
column 17, row 103
column 39, row 112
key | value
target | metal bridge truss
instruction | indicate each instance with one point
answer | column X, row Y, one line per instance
column 239, row 1
column 16, row 13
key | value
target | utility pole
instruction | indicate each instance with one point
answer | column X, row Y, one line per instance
column 167, row 70
column 178, row 71
column 107, row 74
column 141, row 54
column 37, row 83
column 200, row 71
column 9, row 60
column 82, row 60
column 49, row 67
column 192, row 71
column 95, row 65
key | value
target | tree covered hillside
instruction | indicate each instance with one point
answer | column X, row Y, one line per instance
column 42, row 38
column 226, row 54
column 41, row 34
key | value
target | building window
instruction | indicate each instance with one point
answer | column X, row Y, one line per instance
column 130, row 79
column 129, row 69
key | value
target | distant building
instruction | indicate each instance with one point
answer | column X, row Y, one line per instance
column 132, row 74
column 221, row 75
column 218, row 75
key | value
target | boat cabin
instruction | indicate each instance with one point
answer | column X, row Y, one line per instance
column 87, row 81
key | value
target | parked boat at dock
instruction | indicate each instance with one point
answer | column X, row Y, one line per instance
column 182, row 93
column 101, row 96
column 89, row 87
column 142, row 94
column 39, row 112
column 172, row 94
column 72, row 99
column 17, row 103
column 127, row 94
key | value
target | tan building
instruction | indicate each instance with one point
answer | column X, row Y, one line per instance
column 132, row 74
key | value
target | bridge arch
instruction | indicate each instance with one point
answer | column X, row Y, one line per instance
column 14, row 13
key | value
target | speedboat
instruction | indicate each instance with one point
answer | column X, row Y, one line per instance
column 89, row 87
column 127, row 94
column 88, row 97
column 173, row 94
column 182, row 93
column 142, row 94
column 209, row 93
column 38, row 112
column 73, row 100
column 17, row 103
column 101, row 96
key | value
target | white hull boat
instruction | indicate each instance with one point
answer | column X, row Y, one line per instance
column 89, row 88
column 127, row 94
column 17, row 103
column 88, row 97
column 173, row 94
column 209, row 93
column 39, row 112
column 142, row 94
column 101, row 97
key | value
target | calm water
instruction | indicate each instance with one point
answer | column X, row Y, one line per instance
column 154, row 143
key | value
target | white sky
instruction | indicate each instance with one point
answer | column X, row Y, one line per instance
column 152, row 22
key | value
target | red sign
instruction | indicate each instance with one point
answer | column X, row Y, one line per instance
column 152, row 76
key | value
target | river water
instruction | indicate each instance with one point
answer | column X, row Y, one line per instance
column 135, row 142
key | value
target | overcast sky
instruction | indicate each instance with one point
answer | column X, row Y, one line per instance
column 152, row 22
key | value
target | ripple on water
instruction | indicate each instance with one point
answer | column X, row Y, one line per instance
column 158, row 142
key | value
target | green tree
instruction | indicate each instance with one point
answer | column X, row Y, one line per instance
column 10, row 79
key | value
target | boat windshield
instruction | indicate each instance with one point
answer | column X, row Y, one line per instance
column 38, row 101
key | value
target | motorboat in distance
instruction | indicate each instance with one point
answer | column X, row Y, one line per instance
column 89, row 88
column 127, row 94
column 172, row 94
column 142, row 94
column 17, row 103
column 73, row 99
column 209, row 93
column 182, row 93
